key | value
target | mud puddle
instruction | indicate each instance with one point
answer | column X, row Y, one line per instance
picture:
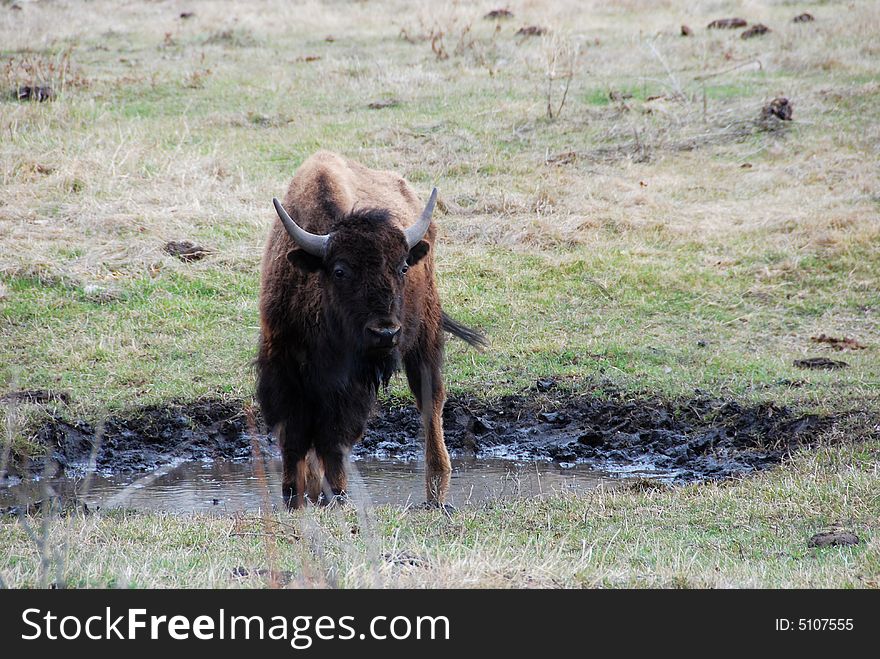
column 568, row 433
column 225, row 486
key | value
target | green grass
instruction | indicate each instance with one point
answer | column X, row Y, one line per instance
column 682, row 246
column 184, row 334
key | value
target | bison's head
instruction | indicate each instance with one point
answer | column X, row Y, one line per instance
column 363, row 265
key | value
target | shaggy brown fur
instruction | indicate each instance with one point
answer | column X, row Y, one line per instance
column 318, row 371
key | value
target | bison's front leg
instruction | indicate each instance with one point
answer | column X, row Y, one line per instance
column 426, row 382
column 335, row 477
column 294, row 467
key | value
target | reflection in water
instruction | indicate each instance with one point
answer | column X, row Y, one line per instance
column 225, row 486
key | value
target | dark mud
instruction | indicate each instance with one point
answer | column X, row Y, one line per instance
column 684, row 441
column 149, row 438
column 675, row 441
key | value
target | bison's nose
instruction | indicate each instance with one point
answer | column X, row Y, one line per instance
column 385, row 336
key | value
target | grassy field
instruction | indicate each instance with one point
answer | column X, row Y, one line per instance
column 654, row 233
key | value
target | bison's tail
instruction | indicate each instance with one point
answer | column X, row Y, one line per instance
column 475, row 338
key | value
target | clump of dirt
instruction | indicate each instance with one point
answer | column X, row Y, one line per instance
column 384, row 103
column 806, row 17
column 727, row 23
column 37, row 93
column 675, row 441
column 755, row 31
column 779, row 107
column 231, row 38
column 846, row 343
column 496, row 14
column 566, row 158
column 531, row 31
column 820, row 363
column 833, row 539
column 618, row 96
column 836, row 538
column 186, row 250
column 686, row 31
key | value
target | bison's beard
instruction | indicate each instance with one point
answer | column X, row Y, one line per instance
column 379, row 367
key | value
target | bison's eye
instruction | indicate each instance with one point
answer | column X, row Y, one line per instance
column 339, row 273
column 404, row 268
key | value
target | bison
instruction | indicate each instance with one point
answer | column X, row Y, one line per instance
column 347, row 297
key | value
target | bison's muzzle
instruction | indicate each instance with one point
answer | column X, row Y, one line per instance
column 382, row 337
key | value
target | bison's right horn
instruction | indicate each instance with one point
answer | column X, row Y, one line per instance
column 418, row 230
column 311, row 243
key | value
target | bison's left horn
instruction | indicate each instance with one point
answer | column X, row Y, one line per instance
column 418, row 230
column 311, row 243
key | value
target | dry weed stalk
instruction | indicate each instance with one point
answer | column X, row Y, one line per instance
column 560, row 59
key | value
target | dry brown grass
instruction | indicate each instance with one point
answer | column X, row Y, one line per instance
column 661, row 165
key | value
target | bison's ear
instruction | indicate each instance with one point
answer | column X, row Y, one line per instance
column 299, row 258
column 417, row 253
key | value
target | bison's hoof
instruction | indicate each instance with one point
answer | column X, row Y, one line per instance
column 341, row 499
column 447, row 508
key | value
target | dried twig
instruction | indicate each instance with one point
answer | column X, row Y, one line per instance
column 561, row 58
column 728, row 70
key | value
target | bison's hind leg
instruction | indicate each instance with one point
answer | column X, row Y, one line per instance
column 314, row 477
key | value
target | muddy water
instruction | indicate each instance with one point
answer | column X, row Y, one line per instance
column 225, row 486
column 522, row 445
